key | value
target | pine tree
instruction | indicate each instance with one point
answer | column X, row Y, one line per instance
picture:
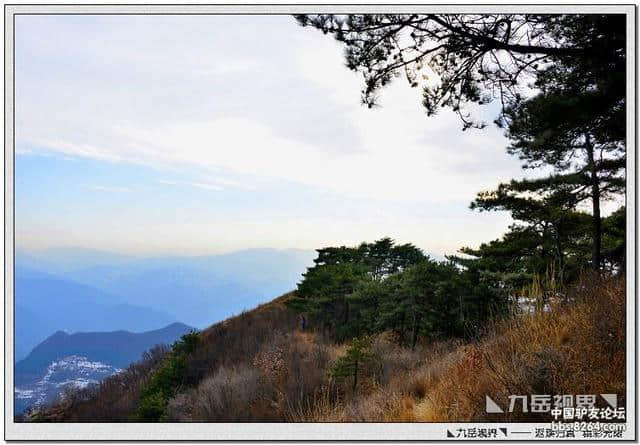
column 464, row 59
column 547, row 222
column 356, row 358
column 569, row 128
column 340, row 292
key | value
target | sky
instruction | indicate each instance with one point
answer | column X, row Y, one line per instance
column 191, row 135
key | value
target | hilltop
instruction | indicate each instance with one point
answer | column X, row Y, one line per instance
column 262, row 366
column 118, row 348
column 65, row 361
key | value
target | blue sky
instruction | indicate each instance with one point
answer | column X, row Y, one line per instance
column 204, row 134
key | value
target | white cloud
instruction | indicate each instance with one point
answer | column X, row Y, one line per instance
column 72, row 149
column 394, row 153
column 393, row 163
column 230, row 106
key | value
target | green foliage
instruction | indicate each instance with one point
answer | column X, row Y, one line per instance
column 614, row 242
column 298, row 304
column 575, row 126
column 365, row 302
column 340, row 292
column 326, row 289
column 547, row 231
column 151, row 407
column 187, row 343
column 351, row 292
column 416, row 303
column 378, row 259
column 166, row 381
column 356, row 359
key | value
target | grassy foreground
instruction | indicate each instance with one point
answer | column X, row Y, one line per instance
column 260, row 366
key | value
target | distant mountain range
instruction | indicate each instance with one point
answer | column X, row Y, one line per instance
column 80, row 359
column 75, row 289
column 46, row 304
column 104, row 309
column 95, row 302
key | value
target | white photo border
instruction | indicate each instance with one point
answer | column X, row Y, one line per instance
column 294, row 431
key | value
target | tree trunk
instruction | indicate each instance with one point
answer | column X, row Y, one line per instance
column 402, row 330
column 414, row 338
column 346, row 312
column 595, row 196
column 560, row 253
column 355, row 376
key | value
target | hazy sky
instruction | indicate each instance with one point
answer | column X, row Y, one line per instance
column 198, row 134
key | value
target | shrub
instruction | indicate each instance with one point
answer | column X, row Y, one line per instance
column 166, row 380
column 229, row 394
column 354, row 362
column 576, row 348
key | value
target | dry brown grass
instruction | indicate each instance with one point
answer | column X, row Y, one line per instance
column 388, row 390
column 282, row 372
column 578, row 348
column 230, row 344
column 258, row 366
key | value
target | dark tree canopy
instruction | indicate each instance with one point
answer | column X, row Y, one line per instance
column 576, row 126
column 464, row 59
column 560, row 84
column 549, row 234
column 380, row 258
column 354, row 291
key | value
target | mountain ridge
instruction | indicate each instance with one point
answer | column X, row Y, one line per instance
column 82, row 358
column 234, row 281
column 45, row 303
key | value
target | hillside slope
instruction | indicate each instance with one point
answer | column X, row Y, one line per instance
column 118, row 348
column 260, row 366
column 64, row 361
